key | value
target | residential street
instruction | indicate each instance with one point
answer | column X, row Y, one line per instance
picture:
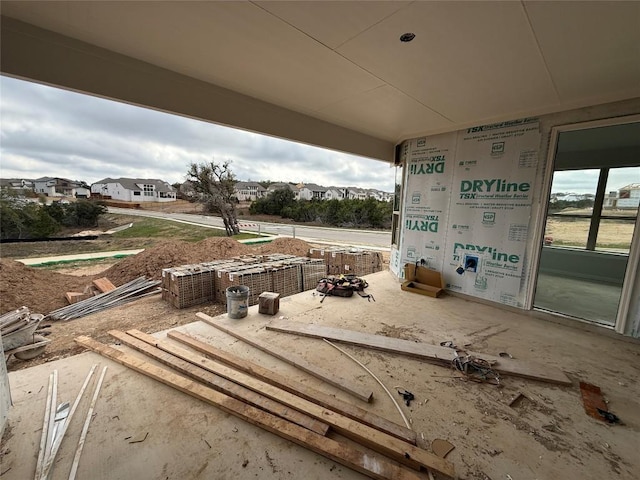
column 360, row 238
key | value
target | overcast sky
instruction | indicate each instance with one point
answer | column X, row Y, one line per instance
column 52, row 132
column 46, row 131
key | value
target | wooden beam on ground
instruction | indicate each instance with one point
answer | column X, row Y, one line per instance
column 75, row 297
column 293, row 359
column 424, row 351
column 211, row 379
column 367, row 436
column 375, row 466
column 104, row 284
column 297, row 388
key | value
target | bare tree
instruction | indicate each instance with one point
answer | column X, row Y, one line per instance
column 216, row 185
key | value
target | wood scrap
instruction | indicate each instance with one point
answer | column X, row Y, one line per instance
column 213, row 379
column 104, row 284
column 85, row 427
column 75, row 297
column 367, row 436
column 441, row 447
column 55, row 445
column 344, row 408
column 293, row 359
column 593, row 401
column 45, row 426
column 427, row 352
column 344, row 453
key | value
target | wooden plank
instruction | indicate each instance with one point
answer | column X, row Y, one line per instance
column 430, row 353
column 296, row 388
column 293, row 359
column 104, row 284
column 75, row 297
column 367, row 436
column 375, row 466
column 213, row 380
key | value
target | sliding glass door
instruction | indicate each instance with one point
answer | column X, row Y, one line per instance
column 590, row 222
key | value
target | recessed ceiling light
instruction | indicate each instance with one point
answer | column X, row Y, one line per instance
column 407, row 37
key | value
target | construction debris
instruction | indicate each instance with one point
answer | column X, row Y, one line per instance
column 55, row 425
column 387, row 448
column 594, row 404
column 427, row 352
column 296, row 388
column 18, row 330
column 441, row 447
column 126, row 293
column 293, row 359
column 104, row 284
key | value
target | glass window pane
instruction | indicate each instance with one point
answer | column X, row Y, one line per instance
column 571, row 207
column 622, row 196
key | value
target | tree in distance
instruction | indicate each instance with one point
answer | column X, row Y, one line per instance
column 216, row 185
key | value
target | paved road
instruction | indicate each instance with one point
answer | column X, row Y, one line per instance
column 358, row 238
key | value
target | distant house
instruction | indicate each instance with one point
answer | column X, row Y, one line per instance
column 629, row 196
column 278, row 186
column 16, row 183
column 311, row 191
column 357, row 193
column 135, row 189
column 249, row 191
column 61, row 187
column 334, row 193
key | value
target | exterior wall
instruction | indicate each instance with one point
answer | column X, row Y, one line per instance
column 81, row 192
column 434, row 207
column 633, row 201
column 117, row 192
column 46, row 189
column 305, row 194
column 249, row 194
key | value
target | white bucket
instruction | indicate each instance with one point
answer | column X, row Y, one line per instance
column 237, row 301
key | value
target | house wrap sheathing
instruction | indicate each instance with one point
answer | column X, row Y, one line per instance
column 474, row 203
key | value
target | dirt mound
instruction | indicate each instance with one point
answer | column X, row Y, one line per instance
column 43, row 291
column 292, row 246
column 173, row 253
column 216, row 248
column 40, row 290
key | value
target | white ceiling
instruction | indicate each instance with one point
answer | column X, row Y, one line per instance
column 342, row 62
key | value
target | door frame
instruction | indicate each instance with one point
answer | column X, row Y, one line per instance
column 541, row 219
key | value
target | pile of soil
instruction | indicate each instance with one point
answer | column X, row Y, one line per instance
column 40, row 290
column 43, row 291
column 292, row 246
column 173, row 254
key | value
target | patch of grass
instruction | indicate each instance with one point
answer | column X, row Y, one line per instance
column 167, row 229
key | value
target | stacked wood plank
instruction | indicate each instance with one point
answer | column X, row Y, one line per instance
column 281, row 406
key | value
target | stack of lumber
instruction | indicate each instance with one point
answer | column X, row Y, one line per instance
column 338, row 430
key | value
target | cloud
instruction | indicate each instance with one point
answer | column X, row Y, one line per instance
column 46, row 131
column 586, row 181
